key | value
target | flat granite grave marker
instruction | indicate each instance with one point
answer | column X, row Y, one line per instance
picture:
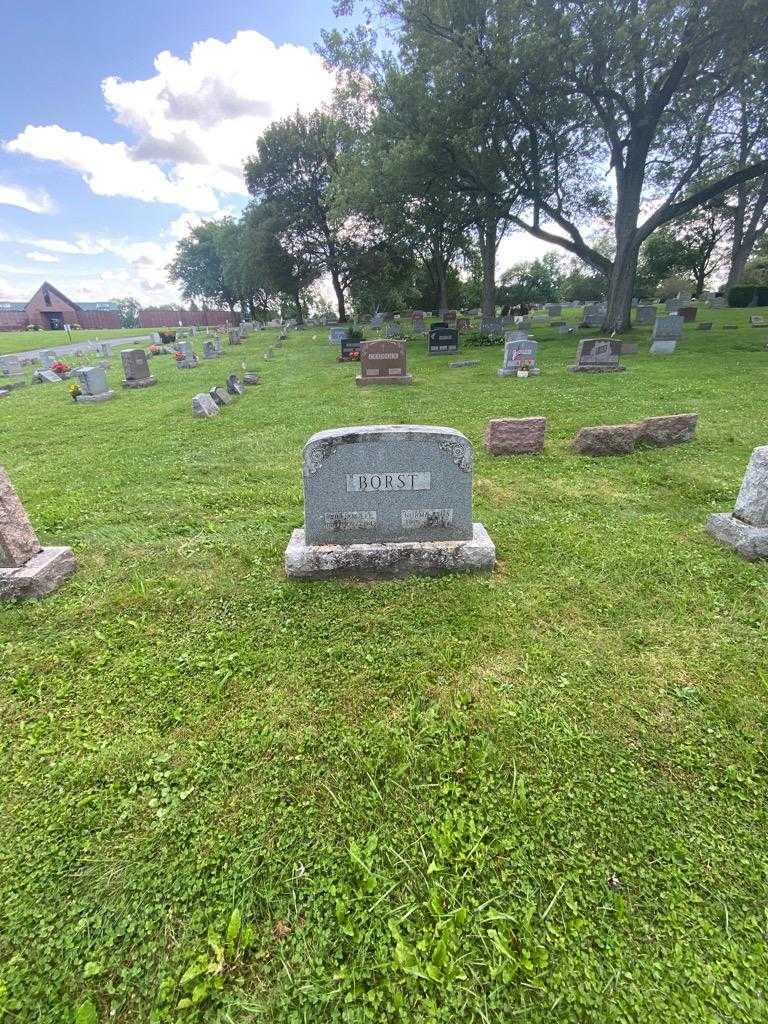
column 27, row 569
column 598, row 355
column 382, row 362
column 519, row 357
column 524, row 436
column 443, row 341
column 387, row 501
column 745, row 530
column 136, row 369
column 203, row 406
column 93, row 384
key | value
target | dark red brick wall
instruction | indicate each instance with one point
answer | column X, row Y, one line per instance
column 98, row 320
column 153, row 318
column 10, row 321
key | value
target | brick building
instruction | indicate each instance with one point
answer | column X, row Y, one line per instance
column 164, row 316
column 49, row 309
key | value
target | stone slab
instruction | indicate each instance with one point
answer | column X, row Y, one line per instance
column 523, row 436
column 663, row 431
column 752, row 501
column 18, row 540
column 147, row 382
column 39, row 576
column 751, row 542
column 618, row 439
column 388, row 560
column 203, row 406
column 105, row 396
column 363, row 382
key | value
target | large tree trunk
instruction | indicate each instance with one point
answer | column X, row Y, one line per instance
column 488, row 245
column 339, row 296
column 297, row 300
column 739, row 257
column 442, row 286
column 621, row 284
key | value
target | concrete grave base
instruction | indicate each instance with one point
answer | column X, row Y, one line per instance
column 146, row 382
column 363, row 382
column 388, row 561
column 41, row 575
column 11, row 384
column 103, row 397
column 4, row 392
column 251, row 379
column 751, row 542
column 597, row 369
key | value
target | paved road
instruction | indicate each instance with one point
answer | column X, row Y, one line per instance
column 83, row 346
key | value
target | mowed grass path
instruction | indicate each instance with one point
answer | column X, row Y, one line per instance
column 536, row 795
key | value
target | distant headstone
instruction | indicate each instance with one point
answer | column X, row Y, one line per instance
column 393, row 330
column 645, row 315
column 220, row 396
column 251, row 379
column 688, row 313
column 136, row 369
column 458, row 363
column 188, row 359
column 704, row 325
column 48, row 359
column 387, row 501
column 554, row 309
column 210, row 351
column 93, row 384
column 377, row 319
column 673, row 305
column 519, row 357
column 598, row 355
column 11, row 369
column 491, row 326
column 27, row 570
column 666, row 333
column 350, row 350
column 382, row 362
column 463, row 324
column 338, row 334
column 745, row 530
column 593, row 315
column 443, row 341
column 46, row 377
column 717, row 302
column 203, row 406
column 234, row 387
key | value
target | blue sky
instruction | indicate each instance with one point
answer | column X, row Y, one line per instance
column 109, row 150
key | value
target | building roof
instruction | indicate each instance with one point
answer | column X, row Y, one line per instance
column 90, row 307
column 12, row 307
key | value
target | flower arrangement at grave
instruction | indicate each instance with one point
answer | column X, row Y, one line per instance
column 179, row 357
column 155, row 350
column 61, row 368
column 75, row 390
column 525, row 366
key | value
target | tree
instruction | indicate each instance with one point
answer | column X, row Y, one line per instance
column 535, row 281
column 641, row 86
column 200, row 260
column 129, row 311
column 295, row 171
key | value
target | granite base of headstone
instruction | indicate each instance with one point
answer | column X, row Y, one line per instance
column 27, row 569
column 387, row 502
column 618, row 439
column 522, row 436
column 664, row 431
column 745, row 530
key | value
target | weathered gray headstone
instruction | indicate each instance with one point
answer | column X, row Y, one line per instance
column 27, row 569
column 93, row 384
column 598, row 355
column 204, row 406
column 220, row 396
column 186, row 358
column 210, row 350
column 593, row 315
column 746, row 528
column 666, row 333
column 338, row 334
column 645, row 315
column 387, row 501
column 491, row 326
column 136, row 369
column 554, row 309
column 234, row 387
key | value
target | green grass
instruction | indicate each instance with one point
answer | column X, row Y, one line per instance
column 26, row 341
column 538, row 795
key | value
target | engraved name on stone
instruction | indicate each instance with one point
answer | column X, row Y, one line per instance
column 418, row 518
column 383, row 355
column 388, row 482
column 350, row 520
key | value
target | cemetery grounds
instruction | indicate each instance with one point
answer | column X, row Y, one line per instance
column 537, row 795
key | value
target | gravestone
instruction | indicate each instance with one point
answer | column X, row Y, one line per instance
column 350, row 350
column 203, row 406
column 673, row 305
column 234, row 337
column 515, row 436
column 10, row 366
column 666, row 332
column 593, row 316
column 458, row 363
column 393, row 330
column 234, row 387
column 93, row 384
column 717, row 302
column 554, row 309
column 48, row 359
column 463, row 324
column 27, row 569
column 704, row 325
column 186, row 358
column 337, row 335
column 491, row 326
column 387, row 501
column 688, row 313
column 220, row 396
column 519, row 357
column 598, row 355
column 210, row 350
column 745, row 530
column 382, row 362
column 618, row 439
column 377, row 320
column 251, row 379
column 645, row 315
column 442, row 341
column 136, row 369
column 46, row 377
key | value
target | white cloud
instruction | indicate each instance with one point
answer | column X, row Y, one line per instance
column 41, row 257
column 195, row 122
column 15, row 195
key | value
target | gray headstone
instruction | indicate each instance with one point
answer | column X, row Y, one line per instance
column 18, row 541
column 92, row 380
column 645, row 315
column 387, row 484
column 204, row 405
column 752, row 503
column 220, row 396
column 234, row 387
column 338, row 334
column 666, row 332
column 598, row 355
column 10, row 366
column 519, row 354
column 135, row 364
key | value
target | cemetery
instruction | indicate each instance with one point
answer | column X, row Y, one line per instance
column 383, row 616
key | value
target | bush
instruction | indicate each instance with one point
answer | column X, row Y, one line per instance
column 474, row 339
column 355, row 334
column 742, row 295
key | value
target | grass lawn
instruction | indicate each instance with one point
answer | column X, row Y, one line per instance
column 26, row 341
column 538, row 795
